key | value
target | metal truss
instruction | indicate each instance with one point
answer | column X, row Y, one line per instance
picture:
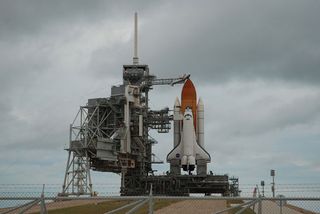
column 87, row 127
column 77, row 180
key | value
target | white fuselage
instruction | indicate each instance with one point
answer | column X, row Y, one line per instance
column 188, row 136
column 187, row 149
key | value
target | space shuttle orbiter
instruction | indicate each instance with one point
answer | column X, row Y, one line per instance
column 188, row 151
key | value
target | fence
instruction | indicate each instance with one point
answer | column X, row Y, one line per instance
column 42, row 203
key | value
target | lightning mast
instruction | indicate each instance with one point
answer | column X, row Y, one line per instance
column 135, row 48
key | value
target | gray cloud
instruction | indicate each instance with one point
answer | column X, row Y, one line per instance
column 222, row 40
column 264, row 107
column 20, row 18
column 219, row 40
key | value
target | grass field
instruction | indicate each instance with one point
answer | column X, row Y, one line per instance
column 247, row 211
column 103, row 207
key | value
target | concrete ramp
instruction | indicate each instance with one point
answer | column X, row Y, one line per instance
column 194, row 206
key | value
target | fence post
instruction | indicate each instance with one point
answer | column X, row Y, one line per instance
column 281, row 203
column 43, row 209
column 260, row 206
column 150, row 201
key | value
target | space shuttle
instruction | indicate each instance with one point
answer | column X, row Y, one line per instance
column 188, row 152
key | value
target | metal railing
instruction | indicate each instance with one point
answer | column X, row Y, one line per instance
column 134, row 204
column 161, row 204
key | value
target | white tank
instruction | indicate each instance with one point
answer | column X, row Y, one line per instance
column 176, row 123
column 200, row 123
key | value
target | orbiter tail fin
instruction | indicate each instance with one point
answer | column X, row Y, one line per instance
column 201, row 153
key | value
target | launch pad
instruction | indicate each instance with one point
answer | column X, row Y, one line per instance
column 181, row 185
column 112, row 135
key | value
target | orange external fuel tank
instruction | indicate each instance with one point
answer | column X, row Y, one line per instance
column 189, row 98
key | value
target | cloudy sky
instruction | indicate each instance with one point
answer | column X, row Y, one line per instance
column 255, row 64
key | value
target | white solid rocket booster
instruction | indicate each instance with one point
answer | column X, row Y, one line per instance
column 200, row 123
column 176, row 122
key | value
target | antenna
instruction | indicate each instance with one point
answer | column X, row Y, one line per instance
column 135, row 50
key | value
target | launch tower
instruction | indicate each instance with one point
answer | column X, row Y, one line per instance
column 112, row 135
